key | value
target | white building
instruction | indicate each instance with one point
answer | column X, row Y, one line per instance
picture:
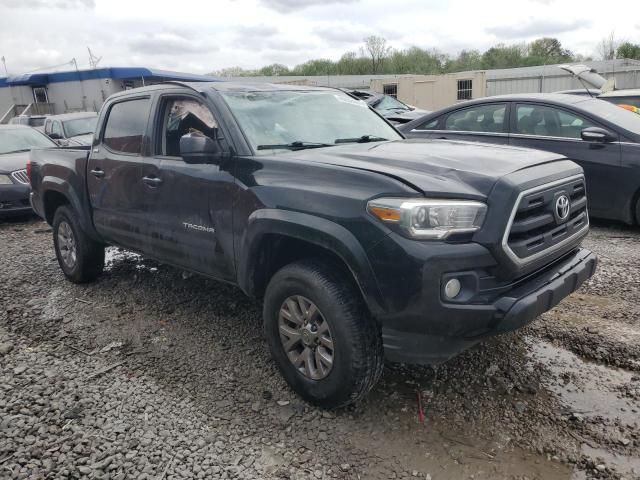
column 78, row 90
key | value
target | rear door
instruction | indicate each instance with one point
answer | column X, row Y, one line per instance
column 486, row 122
column 556, row 129
column 188, row 206
column 114, row 176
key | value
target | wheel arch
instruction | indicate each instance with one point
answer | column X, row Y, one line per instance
column 56, row 193
column 275, row 238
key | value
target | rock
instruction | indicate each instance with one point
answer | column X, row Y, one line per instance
column 345, row 467
column 286, row 413
column 255, row 406
column 282, row 403
column 5, row 348
column 601, row 467
column 84, row 470
column 625, row 441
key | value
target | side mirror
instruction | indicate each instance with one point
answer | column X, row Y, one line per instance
column 195, row 148
column 597, row 135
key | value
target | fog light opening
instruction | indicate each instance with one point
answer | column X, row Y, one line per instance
column 452, row 288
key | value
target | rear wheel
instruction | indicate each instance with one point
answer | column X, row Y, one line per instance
column 322, row 338
column 80, row 257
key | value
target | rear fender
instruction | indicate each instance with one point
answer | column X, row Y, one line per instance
column 54, row 184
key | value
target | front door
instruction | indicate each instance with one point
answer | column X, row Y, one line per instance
column 114, row 176
column 189, row 206
column 555, row 129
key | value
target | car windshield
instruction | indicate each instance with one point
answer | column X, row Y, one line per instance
column 36, row 121
column 22, row 139
column 296, row 119
column 619, row 116
column 389, row 103
column 79, row 126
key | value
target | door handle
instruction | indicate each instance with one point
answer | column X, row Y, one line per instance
column 97, row 172
column 152, row 181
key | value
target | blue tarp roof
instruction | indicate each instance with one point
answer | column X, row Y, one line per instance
column 116, row 73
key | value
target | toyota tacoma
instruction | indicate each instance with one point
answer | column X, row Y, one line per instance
column 362, row 245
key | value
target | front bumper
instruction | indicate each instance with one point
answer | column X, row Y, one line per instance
column 459, row 326
column 14, row 200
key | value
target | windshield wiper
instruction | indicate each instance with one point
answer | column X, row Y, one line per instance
column 297, row 145
column 362, row 139
column 18, row 151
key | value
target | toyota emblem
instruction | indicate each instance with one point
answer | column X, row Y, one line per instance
column 563, row 206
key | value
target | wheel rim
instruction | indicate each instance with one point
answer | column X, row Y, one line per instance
column 306, row 337
column 67, row 245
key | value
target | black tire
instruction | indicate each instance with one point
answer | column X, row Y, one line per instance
column 637, row 211
column 89, row 254
column 358, row 358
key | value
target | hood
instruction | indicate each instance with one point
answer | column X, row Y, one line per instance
column 590, row 77
column 407, row 116
column 465, row 169
column 80, row 140
column 11, row 162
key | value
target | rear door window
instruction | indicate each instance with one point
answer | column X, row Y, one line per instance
column 479, row 118
column 126, row 126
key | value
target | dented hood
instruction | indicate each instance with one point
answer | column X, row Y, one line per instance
column 468, row 169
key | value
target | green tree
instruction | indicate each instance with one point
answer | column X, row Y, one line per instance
column 546, row 50
column 274, row 70
column 503, row 56
column 629, row 50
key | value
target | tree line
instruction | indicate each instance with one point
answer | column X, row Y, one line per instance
column 376, row 56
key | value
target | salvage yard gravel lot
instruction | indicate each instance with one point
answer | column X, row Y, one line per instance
column 152, row 373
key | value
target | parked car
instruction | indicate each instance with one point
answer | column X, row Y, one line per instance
column 361, row 245
column 71, row 129
column 389, row 107
column 15, row 143
column 602, row 88
column 600, row 137
column 35, row 121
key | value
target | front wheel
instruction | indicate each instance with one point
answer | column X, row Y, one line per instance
column 80, row 257
column 321, row 336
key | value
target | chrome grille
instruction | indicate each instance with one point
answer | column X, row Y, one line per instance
column 536, row 228
column 20, row 176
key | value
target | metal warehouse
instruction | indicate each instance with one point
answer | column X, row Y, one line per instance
column 77, row 90
column 433, row 92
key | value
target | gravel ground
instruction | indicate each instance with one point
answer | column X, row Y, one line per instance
column 151, row 373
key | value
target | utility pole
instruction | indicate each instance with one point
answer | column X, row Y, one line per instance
column 93, row 60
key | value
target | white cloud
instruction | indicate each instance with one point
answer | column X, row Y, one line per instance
column 201, row 36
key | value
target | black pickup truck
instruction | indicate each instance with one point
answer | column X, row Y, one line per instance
column 361, row 244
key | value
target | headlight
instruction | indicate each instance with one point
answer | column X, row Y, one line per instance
column 430, row 218
column 5, row 180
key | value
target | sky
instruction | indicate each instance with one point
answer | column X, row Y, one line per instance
column 202, row 36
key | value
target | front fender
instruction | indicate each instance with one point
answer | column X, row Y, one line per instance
column 316, row 230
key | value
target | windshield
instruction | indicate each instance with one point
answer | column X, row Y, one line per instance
column 305, row 119
column 79, row 126
column 22, row 139
column 389, row 103
column 36, row 121
column 619, row 116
